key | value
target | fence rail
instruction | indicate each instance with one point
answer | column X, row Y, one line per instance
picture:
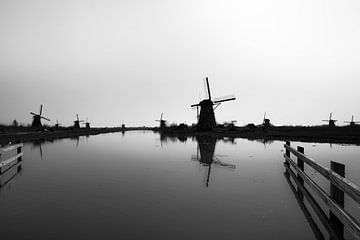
column 17, row 158
column 338, row 186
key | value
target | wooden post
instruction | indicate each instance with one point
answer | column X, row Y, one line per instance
column 300, row 164
column 19, row 149
column 287, row 152
column 338, row 196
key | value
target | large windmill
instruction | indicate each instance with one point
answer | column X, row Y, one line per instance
column 352, row 122
column 206, row 119
column 162, row 122
column 330, row 121
column 77, row 122
column 36, row 123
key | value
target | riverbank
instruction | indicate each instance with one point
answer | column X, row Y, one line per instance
column 321, row 134
column 30, row 135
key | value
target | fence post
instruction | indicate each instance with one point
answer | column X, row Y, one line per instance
column 19, row 149
column 300, row 164
column 287, row 152
column 338, row 196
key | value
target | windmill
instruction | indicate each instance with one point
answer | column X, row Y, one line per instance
column 57, row 124
column 266, row 122
column 122, row 126
column 330, row 121
column 36, row 123
column 162, row 122
column 206, row 119
column 87, row 124
column 77, row 122
column 205, row 155
column 352, row 122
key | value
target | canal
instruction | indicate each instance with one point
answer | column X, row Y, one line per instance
column 140, row 185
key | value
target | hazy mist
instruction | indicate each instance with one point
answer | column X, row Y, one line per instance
column 131, row 60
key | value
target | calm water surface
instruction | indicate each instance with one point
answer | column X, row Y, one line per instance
column 137, row 186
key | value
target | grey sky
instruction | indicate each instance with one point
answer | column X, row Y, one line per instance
column 131, row 60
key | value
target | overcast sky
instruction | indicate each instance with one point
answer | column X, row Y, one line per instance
column 131, row 60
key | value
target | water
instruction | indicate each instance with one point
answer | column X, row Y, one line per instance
column 135, row 186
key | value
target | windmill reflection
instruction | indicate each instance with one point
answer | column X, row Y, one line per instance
column 165, row 138
column 38, row 144
column 205, row 155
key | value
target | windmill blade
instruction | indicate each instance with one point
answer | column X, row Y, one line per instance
column 161, row 116
column 224, row 99
column 45, row 118
column 195, row 105
column 33, row 114
column 81, row 121
column 40, row 109
column 77, row 117
column 330, row 116
column 207, row 88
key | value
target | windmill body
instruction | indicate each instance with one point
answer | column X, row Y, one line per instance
column 206, row 120
column 36, row 123
column 207, row 116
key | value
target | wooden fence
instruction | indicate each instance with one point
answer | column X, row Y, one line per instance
column 338, row 186
column 8, row 163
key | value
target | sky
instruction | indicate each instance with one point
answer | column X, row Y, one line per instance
column 130, row 60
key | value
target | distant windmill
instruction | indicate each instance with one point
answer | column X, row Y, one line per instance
column 352, row 122
column 122, row 126
column 206, row 119
column 87, row 124
column 266, row 122
column 77, row 122
column 330, row 121
column 162, row 122
column 36, row 123
column 57, row 124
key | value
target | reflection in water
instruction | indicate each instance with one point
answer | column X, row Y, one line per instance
column 9, row 175
column 164, row 138
column 38, row 144
column 205, row 155
column 300, row 192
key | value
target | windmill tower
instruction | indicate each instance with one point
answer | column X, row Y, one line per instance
column 352, row 122
column 266, row 122
column 122, row 126
column 206, row 119
column 36, row 123
column 330, row 121
column 162, row 122
column 77, row 122
column 87, row 124
column 57, row 124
